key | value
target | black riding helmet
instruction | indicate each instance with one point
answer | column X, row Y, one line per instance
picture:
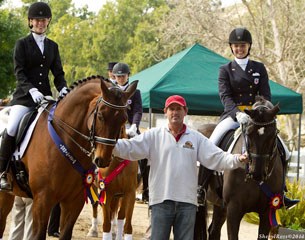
column 39, row 10
column 120, row 69
column 240, row 35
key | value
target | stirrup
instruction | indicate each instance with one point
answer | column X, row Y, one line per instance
column 5, row 185
column 201, row 195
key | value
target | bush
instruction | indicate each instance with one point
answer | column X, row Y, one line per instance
column 293, row 218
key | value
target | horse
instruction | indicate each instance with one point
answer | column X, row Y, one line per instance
column 70, row 137
column 120, row 197
column 257, row 188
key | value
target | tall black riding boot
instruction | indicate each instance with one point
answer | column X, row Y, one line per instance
column 6, row 150
column 203, row 180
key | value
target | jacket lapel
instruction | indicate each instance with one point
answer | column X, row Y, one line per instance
column 241, row 73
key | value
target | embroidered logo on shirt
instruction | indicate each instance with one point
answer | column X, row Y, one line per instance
column 188, row 144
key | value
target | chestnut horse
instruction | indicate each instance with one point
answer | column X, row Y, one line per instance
column 88, row 121
column 120, row 198
column 258, row 188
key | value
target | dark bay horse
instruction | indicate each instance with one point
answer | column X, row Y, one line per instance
column 258, row 188
column 120, row 196
column 88, row 121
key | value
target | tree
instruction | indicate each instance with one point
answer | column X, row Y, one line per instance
column 11, row 28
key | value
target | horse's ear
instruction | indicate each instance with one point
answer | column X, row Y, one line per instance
column 132, row 89
column 104, row 86
column 275, row 109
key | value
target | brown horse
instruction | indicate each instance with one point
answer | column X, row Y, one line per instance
column 88, row 120
column 120, row 198
column 258, row 188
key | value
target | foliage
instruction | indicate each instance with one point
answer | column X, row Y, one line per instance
column 293, row 218
column 11, row 28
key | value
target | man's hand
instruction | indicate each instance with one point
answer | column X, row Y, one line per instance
column 243, row 158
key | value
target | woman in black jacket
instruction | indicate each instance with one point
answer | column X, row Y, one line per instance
column 34, row 56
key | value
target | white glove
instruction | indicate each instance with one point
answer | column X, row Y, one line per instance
column 132, row 131
column 242, row 117
column 63, row 91
column 36, row 95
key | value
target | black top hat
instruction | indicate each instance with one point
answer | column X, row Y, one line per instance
column 111, row 65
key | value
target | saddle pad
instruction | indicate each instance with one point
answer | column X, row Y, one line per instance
column 18, row 154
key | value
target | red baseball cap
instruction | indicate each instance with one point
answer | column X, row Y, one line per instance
column 175, row 99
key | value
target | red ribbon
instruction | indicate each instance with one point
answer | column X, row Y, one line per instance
column 103, row 182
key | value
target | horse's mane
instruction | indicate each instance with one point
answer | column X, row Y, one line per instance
column 82, row 82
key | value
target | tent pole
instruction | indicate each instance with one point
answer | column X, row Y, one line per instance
column 299, row 145
column 149, row 121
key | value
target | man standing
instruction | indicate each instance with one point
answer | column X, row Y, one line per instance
column 173, row 152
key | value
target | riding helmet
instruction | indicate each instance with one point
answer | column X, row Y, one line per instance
column 240, row 35
column 120, row 69
column 39, row 10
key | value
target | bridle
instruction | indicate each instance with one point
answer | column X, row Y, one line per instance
column 268, row 157
column 92, row 138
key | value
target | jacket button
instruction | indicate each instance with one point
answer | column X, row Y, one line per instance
column 250, row 86
column 40, row 74
column 40, row 83
column 41, row 65
column 250, row 94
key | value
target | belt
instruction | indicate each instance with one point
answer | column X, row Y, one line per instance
column 243, row 107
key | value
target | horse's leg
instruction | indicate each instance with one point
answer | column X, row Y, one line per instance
column 41, row 212
column 218, row 219
column 234, row 216
column 107, row 234
column 200, row 231
column 264, row 226
column 93, row 231
column 128, row 201
column 70, row 211
column 6, row 205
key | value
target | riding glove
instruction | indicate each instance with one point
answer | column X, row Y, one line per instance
column 242, row 117
column 132, row 131
column 36, row 95
column 63, row 91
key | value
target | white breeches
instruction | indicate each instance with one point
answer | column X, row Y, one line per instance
column 222, row 128
column 17, row 112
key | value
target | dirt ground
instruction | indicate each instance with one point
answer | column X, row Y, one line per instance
column 140, row 224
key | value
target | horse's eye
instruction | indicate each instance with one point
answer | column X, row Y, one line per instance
column 100, row 116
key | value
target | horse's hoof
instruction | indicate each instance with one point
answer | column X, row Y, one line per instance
column 92, row 233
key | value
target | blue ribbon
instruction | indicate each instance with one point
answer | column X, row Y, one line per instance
column 69, row 156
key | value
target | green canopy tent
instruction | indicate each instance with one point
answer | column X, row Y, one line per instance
column 193, row 73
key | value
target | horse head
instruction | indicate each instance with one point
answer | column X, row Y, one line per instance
column 260, row 135
column 107, row 120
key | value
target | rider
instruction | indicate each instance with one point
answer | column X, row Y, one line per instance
column 121, row 72
column 34, row 56
column 239, row 82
